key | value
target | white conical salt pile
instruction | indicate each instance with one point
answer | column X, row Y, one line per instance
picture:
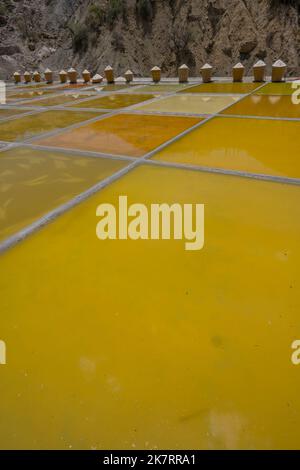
column 97, row 78
column 63, row 76
column 238, row 72
column 278, row 71
column 27, row 77
column 17, row 77
column 36, row 76
column 109, row 74
column 128, row 76
column 183, row 73
column 206, row 73
column 72, row 75
column 48, row 76
column 259, row 70
column 86, row 76
column 156, row 74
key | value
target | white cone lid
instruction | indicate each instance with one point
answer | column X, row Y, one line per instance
column 206, row 66
column 259, row 63
column 279, row 63
column 238, row 66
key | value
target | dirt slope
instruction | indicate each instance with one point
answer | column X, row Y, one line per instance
column 138, row 34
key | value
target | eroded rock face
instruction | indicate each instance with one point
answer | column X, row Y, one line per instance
column 140, row 33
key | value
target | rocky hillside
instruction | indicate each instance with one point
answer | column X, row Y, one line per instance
column 138, row 34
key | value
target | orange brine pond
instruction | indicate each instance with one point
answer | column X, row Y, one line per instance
column 28, row 126
column 114, row 87
column 254, row 148
column 126, row 134
column 9, row 112
column 140, row 343
column 58, row 100
column 217, row 87
column 27, row 94
column 33, row 86
column 195, row 104
column 123, row 344
column 38, row 181
column 287, row 88
column 165, row 87
column 114, row 101
column 266, row 105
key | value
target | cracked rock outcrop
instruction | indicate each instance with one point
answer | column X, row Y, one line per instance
column 137, row 34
